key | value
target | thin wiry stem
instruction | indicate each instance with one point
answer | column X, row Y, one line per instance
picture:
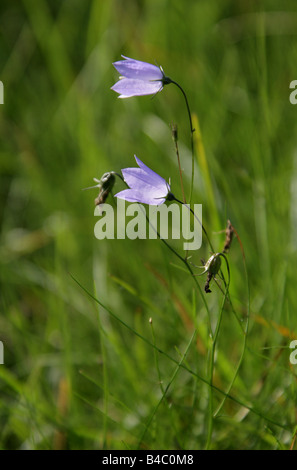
column 167, row 388
column 201, row 224
column 212, row 356
column 181, row 363
column 192, row 139
column 245, row 333
column 175, row 139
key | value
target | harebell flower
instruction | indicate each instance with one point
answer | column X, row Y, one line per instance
column 146, row 186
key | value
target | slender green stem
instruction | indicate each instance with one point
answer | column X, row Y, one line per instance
column 245, row 333
column 175, row 139
column 105, row 382
column 173, row 250
column 211, row 359
column 179, row 363
column 156, row 358
column 167, row 388
column 185, row 262
column 192, row 139
column 202, row 226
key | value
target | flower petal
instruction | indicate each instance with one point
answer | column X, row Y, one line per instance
column 133, row 195
column 137, row 179
column 131, row 68
column 128, row 87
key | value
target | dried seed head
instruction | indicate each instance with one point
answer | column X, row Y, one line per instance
column 229, row 236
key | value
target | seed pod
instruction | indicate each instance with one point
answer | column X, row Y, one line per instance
column 206, row 287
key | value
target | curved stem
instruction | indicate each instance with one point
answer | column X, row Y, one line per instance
column 176, row 253
column 212, row 356
column 185, row 261
column 245, row 333
column 175, row 139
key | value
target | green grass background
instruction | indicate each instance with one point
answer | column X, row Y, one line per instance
column 77, row 375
